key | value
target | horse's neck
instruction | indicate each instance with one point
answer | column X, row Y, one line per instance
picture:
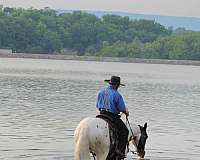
column 131, row 126
column 133, row 130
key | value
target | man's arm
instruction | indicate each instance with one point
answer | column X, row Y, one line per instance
column 122, row 106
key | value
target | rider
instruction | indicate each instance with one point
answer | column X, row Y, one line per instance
column 111, row 103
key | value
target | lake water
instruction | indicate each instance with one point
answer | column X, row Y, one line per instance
column 42, row 101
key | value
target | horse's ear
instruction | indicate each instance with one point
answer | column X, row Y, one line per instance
column 145, row 126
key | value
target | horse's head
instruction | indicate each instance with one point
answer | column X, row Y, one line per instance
column 138, row 139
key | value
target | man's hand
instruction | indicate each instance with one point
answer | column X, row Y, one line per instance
column 127, row 112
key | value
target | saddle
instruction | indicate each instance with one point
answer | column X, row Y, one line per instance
column 114, row 136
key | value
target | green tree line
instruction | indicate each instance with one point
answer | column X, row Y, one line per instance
column 80, row 33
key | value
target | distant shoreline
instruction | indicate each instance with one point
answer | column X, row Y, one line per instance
column 99, row 59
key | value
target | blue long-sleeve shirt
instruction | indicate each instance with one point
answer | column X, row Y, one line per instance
column 111, row 100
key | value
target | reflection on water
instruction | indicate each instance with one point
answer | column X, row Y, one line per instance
column 42, row 101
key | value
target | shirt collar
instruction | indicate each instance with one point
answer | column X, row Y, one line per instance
column 111, row 87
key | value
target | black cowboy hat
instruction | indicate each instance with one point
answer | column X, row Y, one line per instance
column 114, row 80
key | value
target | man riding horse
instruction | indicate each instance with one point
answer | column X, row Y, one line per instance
column 110, row 103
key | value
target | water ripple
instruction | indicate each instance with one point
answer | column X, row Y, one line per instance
column 42, row 104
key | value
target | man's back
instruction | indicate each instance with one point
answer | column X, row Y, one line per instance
column 110, row 100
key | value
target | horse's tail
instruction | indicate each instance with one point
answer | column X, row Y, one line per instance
column 82, row 151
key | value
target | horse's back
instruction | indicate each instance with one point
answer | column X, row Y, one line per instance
column 94, row 126
column 95, row 131
column 86, row 124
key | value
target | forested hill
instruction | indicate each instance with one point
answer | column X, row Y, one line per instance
column 80, row 33
column 190, row 23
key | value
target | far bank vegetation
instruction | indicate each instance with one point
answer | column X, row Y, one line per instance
column 45, row 31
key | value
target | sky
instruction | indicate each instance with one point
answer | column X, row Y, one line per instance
column 186, row 8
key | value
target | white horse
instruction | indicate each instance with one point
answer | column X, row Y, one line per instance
column 92, row 136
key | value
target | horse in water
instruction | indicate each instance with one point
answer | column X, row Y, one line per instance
column 92, row 135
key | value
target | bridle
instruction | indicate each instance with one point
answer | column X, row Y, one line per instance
column 132, row 138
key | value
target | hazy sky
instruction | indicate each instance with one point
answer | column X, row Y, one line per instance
column 189, row 8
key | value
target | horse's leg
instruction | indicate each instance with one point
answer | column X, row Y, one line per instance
column 81, row 145
column 103, row 153
column 102, row 156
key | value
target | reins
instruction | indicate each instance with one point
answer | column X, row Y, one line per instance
column 127, row 121
column 130, row 126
